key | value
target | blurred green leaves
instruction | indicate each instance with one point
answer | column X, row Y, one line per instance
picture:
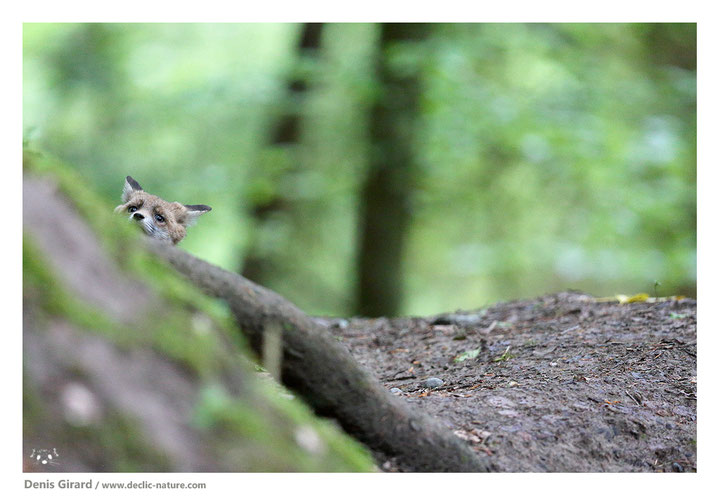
column 551, row 155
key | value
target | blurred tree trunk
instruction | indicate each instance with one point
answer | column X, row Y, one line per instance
column 285, row 134
column 672, row 44
column 386, row 194
column 667, row 48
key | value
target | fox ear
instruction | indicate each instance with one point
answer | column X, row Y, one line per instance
column 130, row 186
column 195, row 211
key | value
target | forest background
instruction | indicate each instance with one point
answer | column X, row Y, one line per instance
column 532, row 158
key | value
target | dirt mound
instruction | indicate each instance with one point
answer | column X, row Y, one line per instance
column 562, row 383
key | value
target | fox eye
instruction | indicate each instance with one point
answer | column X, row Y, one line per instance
column 159, row 218
column 132, row 209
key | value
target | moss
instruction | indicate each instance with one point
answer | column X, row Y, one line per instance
column 229, row 419
column 118, row 445
column 354, row 456
column 40, row 285
column 32, row 409
column 260, row 419
column 172, row 335
column 218, row 411
column 123, row 440
column 341, row 453
column 169, row 331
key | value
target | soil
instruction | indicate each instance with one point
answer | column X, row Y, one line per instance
column 561, row 383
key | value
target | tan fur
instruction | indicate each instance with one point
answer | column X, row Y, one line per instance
column 158, row 218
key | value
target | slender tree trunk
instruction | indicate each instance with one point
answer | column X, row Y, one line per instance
column 287, row 127
column 386, row 194
column 285, row 133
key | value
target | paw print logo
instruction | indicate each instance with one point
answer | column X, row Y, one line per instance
column 44, row 457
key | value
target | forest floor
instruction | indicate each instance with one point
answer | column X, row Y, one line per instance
column 561, row 383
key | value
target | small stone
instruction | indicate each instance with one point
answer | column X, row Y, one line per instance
column 396, row 390
column 677, row 467
column 433, row 382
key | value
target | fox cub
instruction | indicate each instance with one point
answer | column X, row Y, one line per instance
column 158, row 218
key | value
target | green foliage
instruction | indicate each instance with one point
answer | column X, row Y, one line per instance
column 550, row 155
column 573, row 159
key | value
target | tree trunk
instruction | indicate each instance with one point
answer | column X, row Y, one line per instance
column 258, row 265
column 386, row 195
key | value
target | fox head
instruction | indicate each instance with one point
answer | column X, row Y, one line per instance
column 158, row 218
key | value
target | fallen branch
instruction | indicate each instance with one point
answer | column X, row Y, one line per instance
column 324, row 374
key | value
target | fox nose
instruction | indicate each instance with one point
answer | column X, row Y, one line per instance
column 138, row 216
